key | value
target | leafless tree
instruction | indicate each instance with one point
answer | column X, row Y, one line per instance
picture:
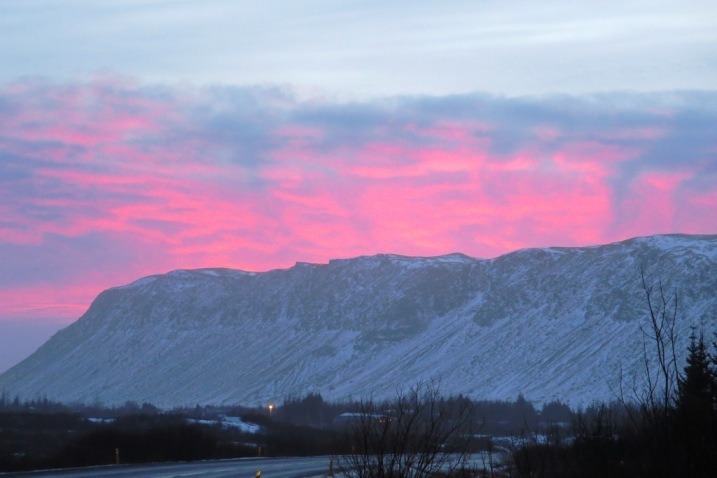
column 653, row 395
column 652, row 401
column 417, row 434
column 662, row 382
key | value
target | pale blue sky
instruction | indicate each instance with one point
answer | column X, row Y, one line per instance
column 370, row 48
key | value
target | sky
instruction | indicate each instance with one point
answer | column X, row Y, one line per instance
column 139, row 137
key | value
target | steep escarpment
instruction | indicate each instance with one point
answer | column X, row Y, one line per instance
column 554, row 322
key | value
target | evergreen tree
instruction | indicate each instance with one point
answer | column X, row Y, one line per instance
column 695, row 420
column 713, row 371
column 695, row 387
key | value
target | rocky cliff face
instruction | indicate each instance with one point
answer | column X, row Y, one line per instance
column 548, row 323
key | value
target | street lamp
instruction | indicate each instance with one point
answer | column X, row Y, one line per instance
column 271, row 408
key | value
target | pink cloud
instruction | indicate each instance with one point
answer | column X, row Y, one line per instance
column 653, row 203
column 183, row 179
column 65, row 302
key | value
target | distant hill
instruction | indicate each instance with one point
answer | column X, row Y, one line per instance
column 548, row 323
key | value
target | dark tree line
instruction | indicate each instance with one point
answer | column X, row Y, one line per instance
column 39, row 433
column 494, row 417
column 31, row 440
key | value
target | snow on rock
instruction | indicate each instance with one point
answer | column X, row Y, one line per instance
column 548, row 323
column 229, row 422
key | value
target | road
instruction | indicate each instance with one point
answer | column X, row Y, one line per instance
column 243, row 467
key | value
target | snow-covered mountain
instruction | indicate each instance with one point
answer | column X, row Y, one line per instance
column 548, row 323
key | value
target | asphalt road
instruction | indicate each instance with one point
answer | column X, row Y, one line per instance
column 244, row 467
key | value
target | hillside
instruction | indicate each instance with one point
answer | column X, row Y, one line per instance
column 548, row 323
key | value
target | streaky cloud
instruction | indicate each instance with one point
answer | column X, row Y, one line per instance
column 108, row 180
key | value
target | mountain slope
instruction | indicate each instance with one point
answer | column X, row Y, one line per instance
column 549, row 323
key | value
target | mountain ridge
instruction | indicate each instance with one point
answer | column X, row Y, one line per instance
column 545, row 322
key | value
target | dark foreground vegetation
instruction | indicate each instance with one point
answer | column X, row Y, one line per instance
column 40, row 434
